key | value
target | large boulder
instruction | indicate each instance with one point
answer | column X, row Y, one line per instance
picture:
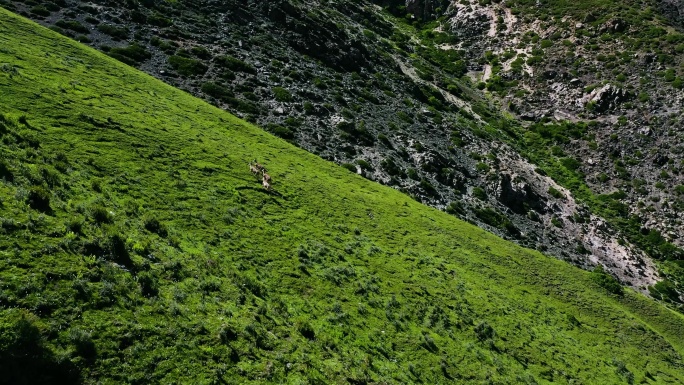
column 420, row 9
column 605, row 98
column 426, row 9
column 519, row 196
column 673, row 10
column 615, row 25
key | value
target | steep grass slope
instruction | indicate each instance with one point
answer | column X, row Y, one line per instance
column 136, row 247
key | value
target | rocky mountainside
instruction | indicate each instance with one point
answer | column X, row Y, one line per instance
column 554, row 127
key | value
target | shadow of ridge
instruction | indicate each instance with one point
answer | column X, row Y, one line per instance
column 24, row 358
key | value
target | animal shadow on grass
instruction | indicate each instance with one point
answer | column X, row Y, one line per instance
column 261, row 190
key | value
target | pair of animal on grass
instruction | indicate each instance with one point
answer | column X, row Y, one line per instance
column 259, row 170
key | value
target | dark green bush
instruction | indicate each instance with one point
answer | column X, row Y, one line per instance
column 412, row 173
column 72, row 25
column 83, row 39
column 201, row 52
column 391, row 167
column 484, row 331
column 555, row 193
column 186, row 66
column 427, row 187
column 227, row 333
column 131, row 55
column 75, row 225
column 479, row 193
column 101, row 215
column 39, row 199
column 497, row 220
column 455, row 208
column 664, row 290
column 40, row 11
column 234, row 64
column 159, row 20
column 217, row 91
column 281, row 94
column 280, row 131
column 117, row 33
column 482, row 167
column 83, row 342
column 606, row 281
column 309, row 108
column 349, row 167
column 364, row 164
column 154, row 226
column 5, row 172
column 307, row 331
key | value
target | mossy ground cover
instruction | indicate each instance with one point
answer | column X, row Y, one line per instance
column 137, row 247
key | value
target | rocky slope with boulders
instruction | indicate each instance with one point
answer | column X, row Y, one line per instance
column 442, row 100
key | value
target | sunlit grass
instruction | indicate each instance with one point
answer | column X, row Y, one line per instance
column 137, row 247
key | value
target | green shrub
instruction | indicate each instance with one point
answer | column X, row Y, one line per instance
column 606, row 281
column 40, row 11
column 83, row 39
column 101, row 215
column 669, row 75
column 154, row 226
column 117, row 33
column 664, row 290
column 227, row 334
column 497, row 220
column 72, row 25
column 307, row 331
column 39, row 199
column 364, row 164
column 131, row 55
column 83, row 342
column 280, row 131
column 5, row 172
column 186, row 66
column 349, row 167
column 217, row 91
column 281, row 94
column 75, row 225
column 159, row 20
column 427, row 187
column 479, row 193
column 404, row 116
column 571, row 164
column 482, row 167
column 309, row 108
column 555, row 193
column 234, row 64
column 484, row 331
column 455, row 208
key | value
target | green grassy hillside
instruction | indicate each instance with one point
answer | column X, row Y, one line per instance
column 136, row 247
